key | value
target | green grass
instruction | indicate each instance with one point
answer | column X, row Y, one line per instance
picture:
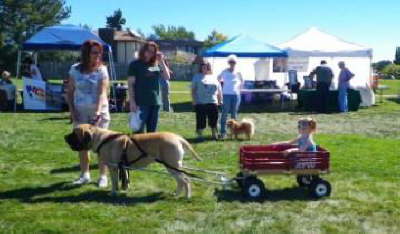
column 394, row 87
column 36, row 168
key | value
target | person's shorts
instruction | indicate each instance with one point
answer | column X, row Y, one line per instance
column 86, row 116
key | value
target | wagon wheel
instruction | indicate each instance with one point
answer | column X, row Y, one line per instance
column 253, row 188
column 306, row 180
column 320, row 188
column 240, row 179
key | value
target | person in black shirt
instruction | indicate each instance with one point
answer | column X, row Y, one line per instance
column 324, row 79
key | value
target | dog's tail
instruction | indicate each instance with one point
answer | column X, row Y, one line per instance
column 189, row 147
column 251, row 123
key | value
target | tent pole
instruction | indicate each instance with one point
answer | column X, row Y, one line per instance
column 18, row 63
column 113, row 78
column 35, row 53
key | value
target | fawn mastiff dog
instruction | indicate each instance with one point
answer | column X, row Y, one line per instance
column 135, row 151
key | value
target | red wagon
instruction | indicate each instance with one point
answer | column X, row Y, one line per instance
column 271, row 159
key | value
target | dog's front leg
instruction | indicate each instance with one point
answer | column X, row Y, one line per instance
column 114, row 180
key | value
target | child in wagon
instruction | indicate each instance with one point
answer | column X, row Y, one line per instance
column 305, row 141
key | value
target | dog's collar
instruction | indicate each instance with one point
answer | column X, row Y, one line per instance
column 106, row 140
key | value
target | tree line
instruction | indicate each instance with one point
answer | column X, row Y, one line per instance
column 389, row 69
column 21, row 19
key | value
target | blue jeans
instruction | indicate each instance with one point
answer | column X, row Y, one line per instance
column 149, row 115
column 342, row 99
column 230, row 106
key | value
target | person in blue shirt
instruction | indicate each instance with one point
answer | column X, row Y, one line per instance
column 344, row 83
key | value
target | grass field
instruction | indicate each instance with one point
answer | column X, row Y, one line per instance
column 36, row 168
column 394, row 87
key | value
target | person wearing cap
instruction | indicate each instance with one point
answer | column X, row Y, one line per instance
column 345, row 76
column 9, row 88
column 5, row 78
column 232, row 81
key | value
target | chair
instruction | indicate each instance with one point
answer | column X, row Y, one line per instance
column 3, row 100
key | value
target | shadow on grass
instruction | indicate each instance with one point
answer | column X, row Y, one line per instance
column 71, row 169
column 182, row 107
column 244, row 108
column 103, row 197
column 286, row 194
column 57, row 118
column 196, row 140
column 28, row 195
column 395, row 100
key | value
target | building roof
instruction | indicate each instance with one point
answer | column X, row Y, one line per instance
column 128, row 35
column 192, row 43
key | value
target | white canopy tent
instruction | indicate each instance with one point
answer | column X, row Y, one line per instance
column 307, row 49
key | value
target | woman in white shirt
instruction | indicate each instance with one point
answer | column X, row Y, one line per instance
column 232, row 83
column 87, row 100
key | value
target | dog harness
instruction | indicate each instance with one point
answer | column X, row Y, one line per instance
column 124, row 162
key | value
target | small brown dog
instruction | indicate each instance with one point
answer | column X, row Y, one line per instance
column 246, row 126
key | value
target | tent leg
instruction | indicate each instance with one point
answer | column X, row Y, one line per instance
column 113, row 77
column 35, row 57
column 18, row 64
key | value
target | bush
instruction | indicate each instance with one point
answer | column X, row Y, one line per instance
column 391, row 71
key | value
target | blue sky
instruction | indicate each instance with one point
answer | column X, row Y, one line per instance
column 375, row 24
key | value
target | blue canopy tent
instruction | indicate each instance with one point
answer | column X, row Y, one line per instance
column 244, row 46
column 255, row 58
column 63, row 37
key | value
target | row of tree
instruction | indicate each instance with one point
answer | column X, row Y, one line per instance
column 20, row 19
column 162, row 32
column 389, row 69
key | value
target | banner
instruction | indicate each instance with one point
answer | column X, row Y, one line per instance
column 39, row 95
column 300, row 64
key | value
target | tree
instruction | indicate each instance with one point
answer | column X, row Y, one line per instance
column 380, row 65
column 116, row 20
column 20, row 19
column 392, row 71
column 397, row 56
column 171, row 33
column 214, row 38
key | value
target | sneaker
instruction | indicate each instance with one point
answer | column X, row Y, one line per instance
column 81, row 180
column 103, row 182
column 222, row 136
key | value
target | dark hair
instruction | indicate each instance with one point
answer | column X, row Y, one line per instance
column 145, row 47
column 323, row 62
column 201, row 66
column 28, row 60
column 85, row 54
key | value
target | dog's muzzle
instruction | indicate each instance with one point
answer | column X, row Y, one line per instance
column 78, row 145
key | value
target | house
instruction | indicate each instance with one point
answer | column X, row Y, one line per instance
column 125, row 44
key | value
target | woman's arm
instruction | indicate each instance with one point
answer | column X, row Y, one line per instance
column 102, row 94
column 194, row 95
column 219, row 94
column 166, row 74
column 131, row 93
column 70, row 97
